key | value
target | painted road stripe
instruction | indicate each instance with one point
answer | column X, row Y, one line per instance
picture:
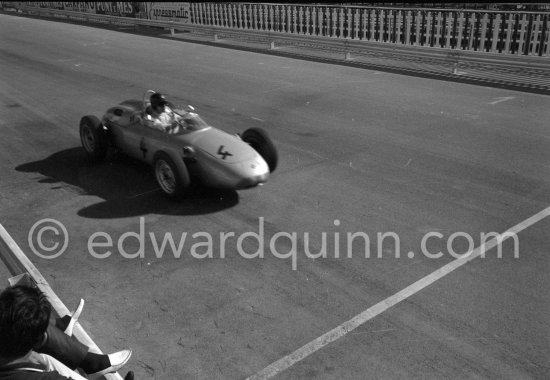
column 350, row 325
column 502, row 99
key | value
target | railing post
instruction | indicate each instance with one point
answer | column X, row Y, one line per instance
column 308, row 30
column 497, row 23
column 544, row 46
column 438, row 29
column 271, row 18
column 253, row 21
column 523, row 23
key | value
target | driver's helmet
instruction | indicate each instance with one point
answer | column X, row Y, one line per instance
column 158, row 101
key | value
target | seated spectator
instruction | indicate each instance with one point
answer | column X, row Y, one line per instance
column 31, row 344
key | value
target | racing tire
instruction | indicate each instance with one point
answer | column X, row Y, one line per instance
column 93, row 138
column 173, row 180
column 258, row 139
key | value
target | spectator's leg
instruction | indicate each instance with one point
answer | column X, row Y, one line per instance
column 67, row 349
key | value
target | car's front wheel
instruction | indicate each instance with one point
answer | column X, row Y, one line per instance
column 258, row 139
column 173, row 180
column 93, row 138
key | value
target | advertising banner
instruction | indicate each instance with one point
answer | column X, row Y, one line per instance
column 174, row 11
column 115, row 8
column 111, row 8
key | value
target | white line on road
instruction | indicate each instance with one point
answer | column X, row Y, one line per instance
column 502, row 99
column 350, row 325
column 257, row 119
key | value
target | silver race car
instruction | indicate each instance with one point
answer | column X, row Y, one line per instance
column 189, row 149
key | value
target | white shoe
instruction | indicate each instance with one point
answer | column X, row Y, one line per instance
column 74, row 318
column 117, row 360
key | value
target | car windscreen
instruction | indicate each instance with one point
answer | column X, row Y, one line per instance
column 193, row 122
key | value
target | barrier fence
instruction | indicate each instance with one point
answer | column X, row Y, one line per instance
column 500, row 32
column 521, row 33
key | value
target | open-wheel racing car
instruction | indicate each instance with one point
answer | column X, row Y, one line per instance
column 189, row 148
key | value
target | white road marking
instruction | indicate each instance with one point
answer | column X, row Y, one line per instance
column 144, row 193
column 350, row 325
column 257, row 119
column 289, row 85
column 502, row 99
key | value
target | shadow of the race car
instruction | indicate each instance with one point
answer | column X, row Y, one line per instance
column 127, row 186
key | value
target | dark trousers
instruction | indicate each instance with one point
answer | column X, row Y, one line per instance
column 67, row 349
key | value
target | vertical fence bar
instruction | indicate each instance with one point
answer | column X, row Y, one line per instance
column 420, row 17
column 221, row 15
column 544, row 48
column 300, row 19
column 205, row 14
column 271, row 18
column 261, row 21
column 320, row 23
column 214, row 14
column 240, row 19
column 200, row 14
column 471, row 27
column 515, row 35
column 449, row 28
column 210, row 14
column 352, row 24
column 192, row 13
column 253, row 17
column 460, row 29
column 484, row 29
column 289, row 18
column 396, row 24
column 226, row 8
column 429, row 28
column 403, row 35
column 437, row 28
column 523, row 24
column 383, row 25
column 340, row 22
column 408, row 25
column 317, row 20
column 373, row 19
column 509, row 33
column 497, row 23
column 364, row 24
column 205, row 20
column 277, row 17
column 535, row 35
column 310, row 20
column 265, row 16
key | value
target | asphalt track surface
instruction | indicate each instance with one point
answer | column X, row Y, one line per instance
column 376, row 152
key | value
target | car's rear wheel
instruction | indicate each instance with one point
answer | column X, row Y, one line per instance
column 258, row 139
column 93, row 138
column 173, row 180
